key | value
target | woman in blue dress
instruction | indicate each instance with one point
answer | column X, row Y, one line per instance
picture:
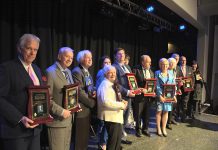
column 163, row 76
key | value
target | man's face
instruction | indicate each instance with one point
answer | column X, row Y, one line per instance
column 66, row 59
column 183, row 61
column 111, row 75
column 29, row 52
column 120, row 56
column 106, row 62
column 87, row 60
column 146, row 63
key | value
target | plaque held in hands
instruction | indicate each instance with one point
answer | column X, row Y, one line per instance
column 169, row 91
column 70, row 99
column 39, row 104
column 150, row 87
column 187, row 84
column 133, row 83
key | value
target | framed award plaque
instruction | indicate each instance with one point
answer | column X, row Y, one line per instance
column 187, row 84
column 70, row 99
column 39, row 104
column 150, row 87
column 133, row 83
column 169, row 91
column 178, row 86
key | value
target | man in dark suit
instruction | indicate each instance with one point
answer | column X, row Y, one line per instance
column 17, row 132
column 184, row 71
column 58, row 75
column 87, row 100
column 141, row 106
column 121, row 70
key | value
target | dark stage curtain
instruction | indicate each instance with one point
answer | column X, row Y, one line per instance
column 75, row 23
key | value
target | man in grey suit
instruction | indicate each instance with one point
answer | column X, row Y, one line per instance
column 87, row 96
column 58, row 75
column 184, row 71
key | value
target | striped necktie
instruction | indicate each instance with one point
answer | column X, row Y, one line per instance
column 67, row 76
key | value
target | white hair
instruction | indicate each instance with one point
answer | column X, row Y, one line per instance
column 64, row 49
column 172, row 60
column 162, row 60
column 108, row 68
column 80, row 56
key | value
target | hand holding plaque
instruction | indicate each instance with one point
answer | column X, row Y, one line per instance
column 70, row 99
column 169, row 92
column 39, row 104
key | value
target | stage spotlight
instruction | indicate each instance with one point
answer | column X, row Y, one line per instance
column 150, row 8
column 182, row 27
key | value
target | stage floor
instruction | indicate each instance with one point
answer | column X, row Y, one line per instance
column 198, row 134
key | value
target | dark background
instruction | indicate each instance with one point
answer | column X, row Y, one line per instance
column 80, row 24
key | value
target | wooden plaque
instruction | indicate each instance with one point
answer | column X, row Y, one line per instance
column 187, row 84
column 169, row 91
column 150, row 87
column 133, row 83
column 39, row 104
column 70, row 99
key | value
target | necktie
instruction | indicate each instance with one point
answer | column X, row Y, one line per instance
column 117, row 92
column 67, row 76
column 31, row 74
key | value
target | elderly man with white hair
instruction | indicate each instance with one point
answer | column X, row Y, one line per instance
column 87, row 97
column 110, row 107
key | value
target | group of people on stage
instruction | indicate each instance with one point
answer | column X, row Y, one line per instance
column 110, row 96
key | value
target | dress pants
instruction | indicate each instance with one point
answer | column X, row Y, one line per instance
column 142, row 112
column 59, row 137
column 81, row 133
column 114, row 135
column 25, row 143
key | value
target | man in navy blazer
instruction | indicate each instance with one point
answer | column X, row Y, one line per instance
column 121, row 70
column 16, row 130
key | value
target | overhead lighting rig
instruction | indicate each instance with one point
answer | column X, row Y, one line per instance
column 138, row 11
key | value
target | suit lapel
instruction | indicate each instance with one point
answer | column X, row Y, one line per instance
column 23, row 73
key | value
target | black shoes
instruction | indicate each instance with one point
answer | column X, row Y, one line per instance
column 169, row 126
column 138, row 133
column 146, row 132
column 126, row 142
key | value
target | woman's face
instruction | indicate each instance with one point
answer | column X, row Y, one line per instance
column 164, row 65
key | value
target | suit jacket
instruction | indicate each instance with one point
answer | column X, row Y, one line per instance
column 141, row 80
column 14, row 81
column 189, row 73
column 56, row 80
column 86, row 103
column 121, row 77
